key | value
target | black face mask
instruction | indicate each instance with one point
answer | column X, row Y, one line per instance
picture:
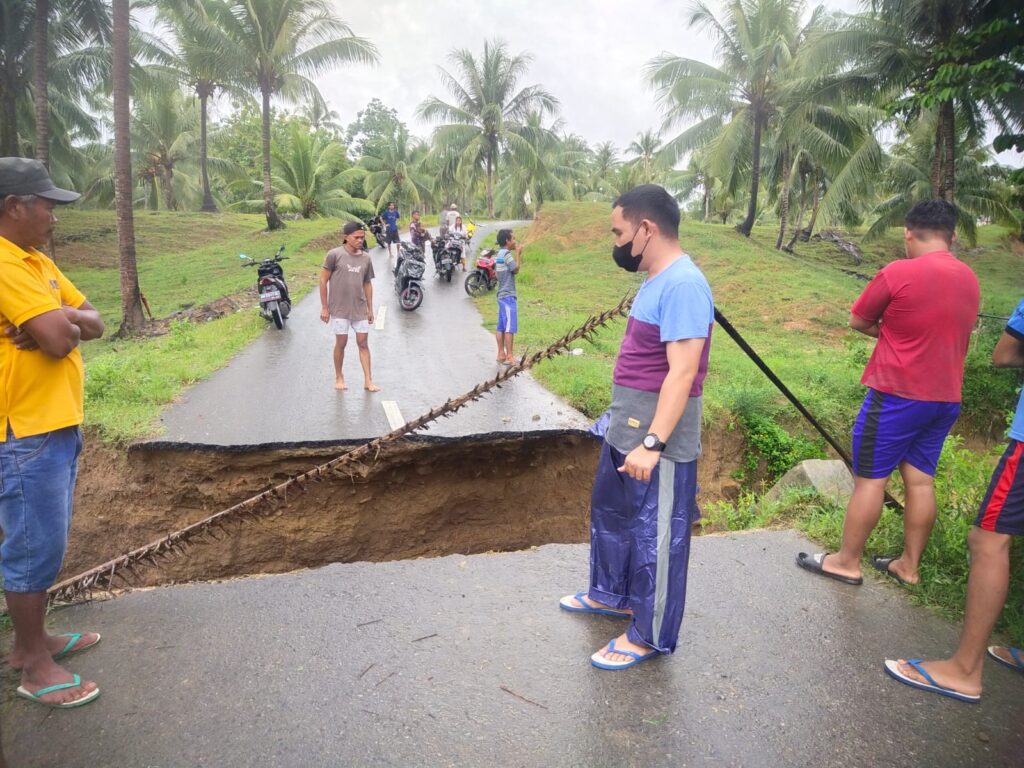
column 623, row 254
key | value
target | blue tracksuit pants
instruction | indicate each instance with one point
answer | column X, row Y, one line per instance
column 640, row 545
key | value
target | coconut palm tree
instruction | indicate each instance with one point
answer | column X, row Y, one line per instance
column 479, row 124
column 395, row 172
column 648, row 157
column 132, row 318
column 558, row 170
column 278, row 44
column 735, row 102
column 164, row 131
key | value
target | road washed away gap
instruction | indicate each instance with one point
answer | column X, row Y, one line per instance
column 126, row 569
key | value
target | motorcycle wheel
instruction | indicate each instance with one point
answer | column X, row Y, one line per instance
column 448, row 274
column 277, row 317
column 411, row 298
column 476, row 284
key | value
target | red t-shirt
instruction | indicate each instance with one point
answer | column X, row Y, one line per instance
column 927, row 307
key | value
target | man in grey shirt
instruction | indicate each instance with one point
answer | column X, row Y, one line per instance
column 346, row 300
column 506, row 266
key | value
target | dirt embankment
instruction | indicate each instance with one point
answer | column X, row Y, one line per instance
column 416, row 500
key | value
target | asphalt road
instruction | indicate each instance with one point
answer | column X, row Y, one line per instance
column 280, row 390
column 467, row 661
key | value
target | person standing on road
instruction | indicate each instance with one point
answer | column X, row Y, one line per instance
column 1000, row 518
column 43, row 319
column 644, row 499
column 450, row 216
column 507, row 262
column 346, row 300
column 922, row 310
column 390, row 218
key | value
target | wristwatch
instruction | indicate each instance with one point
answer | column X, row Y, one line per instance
column 652, row 443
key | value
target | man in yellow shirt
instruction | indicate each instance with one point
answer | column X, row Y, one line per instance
column 43, row 318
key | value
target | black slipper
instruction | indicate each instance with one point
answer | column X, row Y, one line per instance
column 813, row 563
column 882, row 564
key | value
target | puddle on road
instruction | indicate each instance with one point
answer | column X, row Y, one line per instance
column 415, row 500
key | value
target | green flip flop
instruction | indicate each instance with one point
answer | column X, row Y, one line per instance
column 25, row 693
column 70, row 648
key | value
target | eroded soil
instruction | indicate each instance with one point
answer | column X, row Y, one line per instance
column 416, row 500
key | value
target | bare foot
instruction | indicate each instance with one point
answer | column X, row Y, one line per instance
column 947, row 674
column 622, row 642
column 371, row 387
column 853, row 574
column 589, row 603
column 47, row 673
column 340, row 384
column 56, row 644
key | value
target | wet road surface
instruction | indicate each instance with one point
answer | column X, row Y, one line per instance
column 467, row 661
column 280, row 389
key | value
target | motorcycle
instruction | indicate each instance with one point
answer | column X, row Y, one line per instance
column 484, row 277
column 376, row 227
column 275, row 303
column 409, row 276
column 447, row 254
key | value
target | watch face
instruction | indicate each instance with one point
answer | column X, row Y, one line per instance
column 650, row 441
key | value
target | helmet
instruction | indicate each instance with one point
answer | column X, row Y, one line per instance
column 454, row 207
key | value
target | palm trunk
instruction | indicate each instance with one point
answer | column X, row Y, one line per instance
column 8, row 122
column 273, row 222
column 490, row 189
column 948, row 117
column 707, row 202
column 800, row 214
column 784, row 203
column 936, row 179
column 805, row 234
column 41, row 82
column 131, row 297
column 747, row 224
column 208, row 205
column 167, row 177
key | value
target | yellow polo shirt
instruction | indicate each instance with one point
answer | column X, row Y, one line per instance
column 37, row 393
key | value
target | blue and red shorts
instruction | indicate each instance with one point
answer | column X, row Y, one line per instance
column 890, row 430
column 1002, row 511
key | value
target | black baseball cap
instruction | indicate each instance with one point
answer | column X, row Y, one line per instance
column 352, row 226
column 21, row 176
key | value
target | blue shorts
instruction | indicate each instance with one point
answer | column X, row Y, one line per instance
column 37, row 483
column 890, row 430
column 1002, row 511
column 508, row 317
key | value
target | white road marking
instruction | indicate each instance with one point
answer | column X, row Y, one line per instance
column 380, row 317
column 394, row 415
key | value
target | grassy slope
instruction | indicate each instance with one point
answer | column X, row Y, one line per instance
column 184, row 259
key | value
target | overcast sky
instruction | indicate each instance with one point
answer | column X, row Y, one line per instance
column 590, row 54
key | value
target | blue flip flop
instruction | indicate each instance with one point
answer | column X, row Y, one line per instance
column 601, row 662
column 893, row 669
column 37, row 696
column 1014, row 652
column 70, row 647
column 566, row 605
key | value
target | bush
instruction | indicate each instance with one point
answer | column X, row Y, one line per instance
column 780, row 451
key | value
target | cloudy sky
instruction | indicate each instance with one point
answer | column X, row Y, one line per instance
column 589, row 53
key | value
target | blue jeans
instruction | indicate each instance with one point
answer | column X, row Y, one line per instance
column 37, row 483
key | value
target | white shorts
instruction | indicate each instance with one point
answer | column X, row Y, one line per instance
column 340, row 326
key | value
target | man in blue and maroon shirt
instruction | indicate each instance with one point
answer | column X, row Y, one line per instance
column 922, row 310
column 644, row 496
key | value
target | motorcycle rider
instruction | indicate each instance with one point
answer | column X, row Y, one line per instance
column 346, row 300
column 450, row 216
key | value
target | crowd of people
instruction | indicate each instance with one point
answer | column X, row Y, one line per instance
column 644, row 500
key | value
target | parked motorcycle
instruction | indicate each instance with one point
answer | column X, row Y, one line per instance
column 275, row 303
column 484, row 277
column 376, row 227
column 409, row 276
column 448, row 254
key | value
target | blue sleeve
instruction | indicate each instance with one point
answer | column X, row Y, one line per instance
column 686, row 311
column 1015, row 327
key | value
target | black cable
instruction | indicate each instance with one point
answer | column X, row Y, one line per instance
column 742, row 343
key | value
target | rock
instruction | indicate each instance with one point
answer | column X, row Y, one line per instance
column 829, row 477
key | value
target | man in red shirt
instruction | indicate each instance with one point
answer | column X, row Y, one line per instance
column 922, row 310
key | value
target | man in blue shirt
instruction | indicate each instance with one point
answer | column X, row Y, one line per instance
column 390, row 217
column 1000, row 518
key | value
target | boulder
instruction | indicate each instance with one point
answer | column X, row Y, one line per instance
column 829, row 477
